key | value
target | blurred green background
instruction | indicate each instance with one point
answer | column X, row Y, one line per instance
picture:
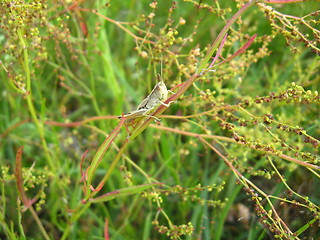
column 67, row 62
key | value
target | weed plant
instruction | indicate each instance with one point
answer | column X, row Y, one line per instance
column 235, row 156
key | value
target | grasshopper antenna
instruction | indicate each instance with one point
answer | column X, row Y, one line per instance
column 161, row 70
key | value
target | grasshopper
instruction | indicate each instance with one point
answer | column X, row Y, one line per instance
column 158, row 94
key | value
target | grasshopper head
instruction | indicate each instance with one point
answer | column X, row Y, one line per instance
column 163, row 91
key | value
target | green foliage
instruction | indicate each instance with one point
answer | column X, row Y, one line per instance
column 236, row 153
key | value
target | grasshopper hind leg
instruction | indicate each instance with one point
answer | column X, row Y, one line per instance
column 148, row 115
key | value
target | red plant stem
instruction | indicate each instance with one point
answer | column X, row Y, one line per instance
column 283, row 1
column 98, row 158
column 19, row 178
column 226, row 139
column 219, row 50
column 246, row 182
column 106, row 229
